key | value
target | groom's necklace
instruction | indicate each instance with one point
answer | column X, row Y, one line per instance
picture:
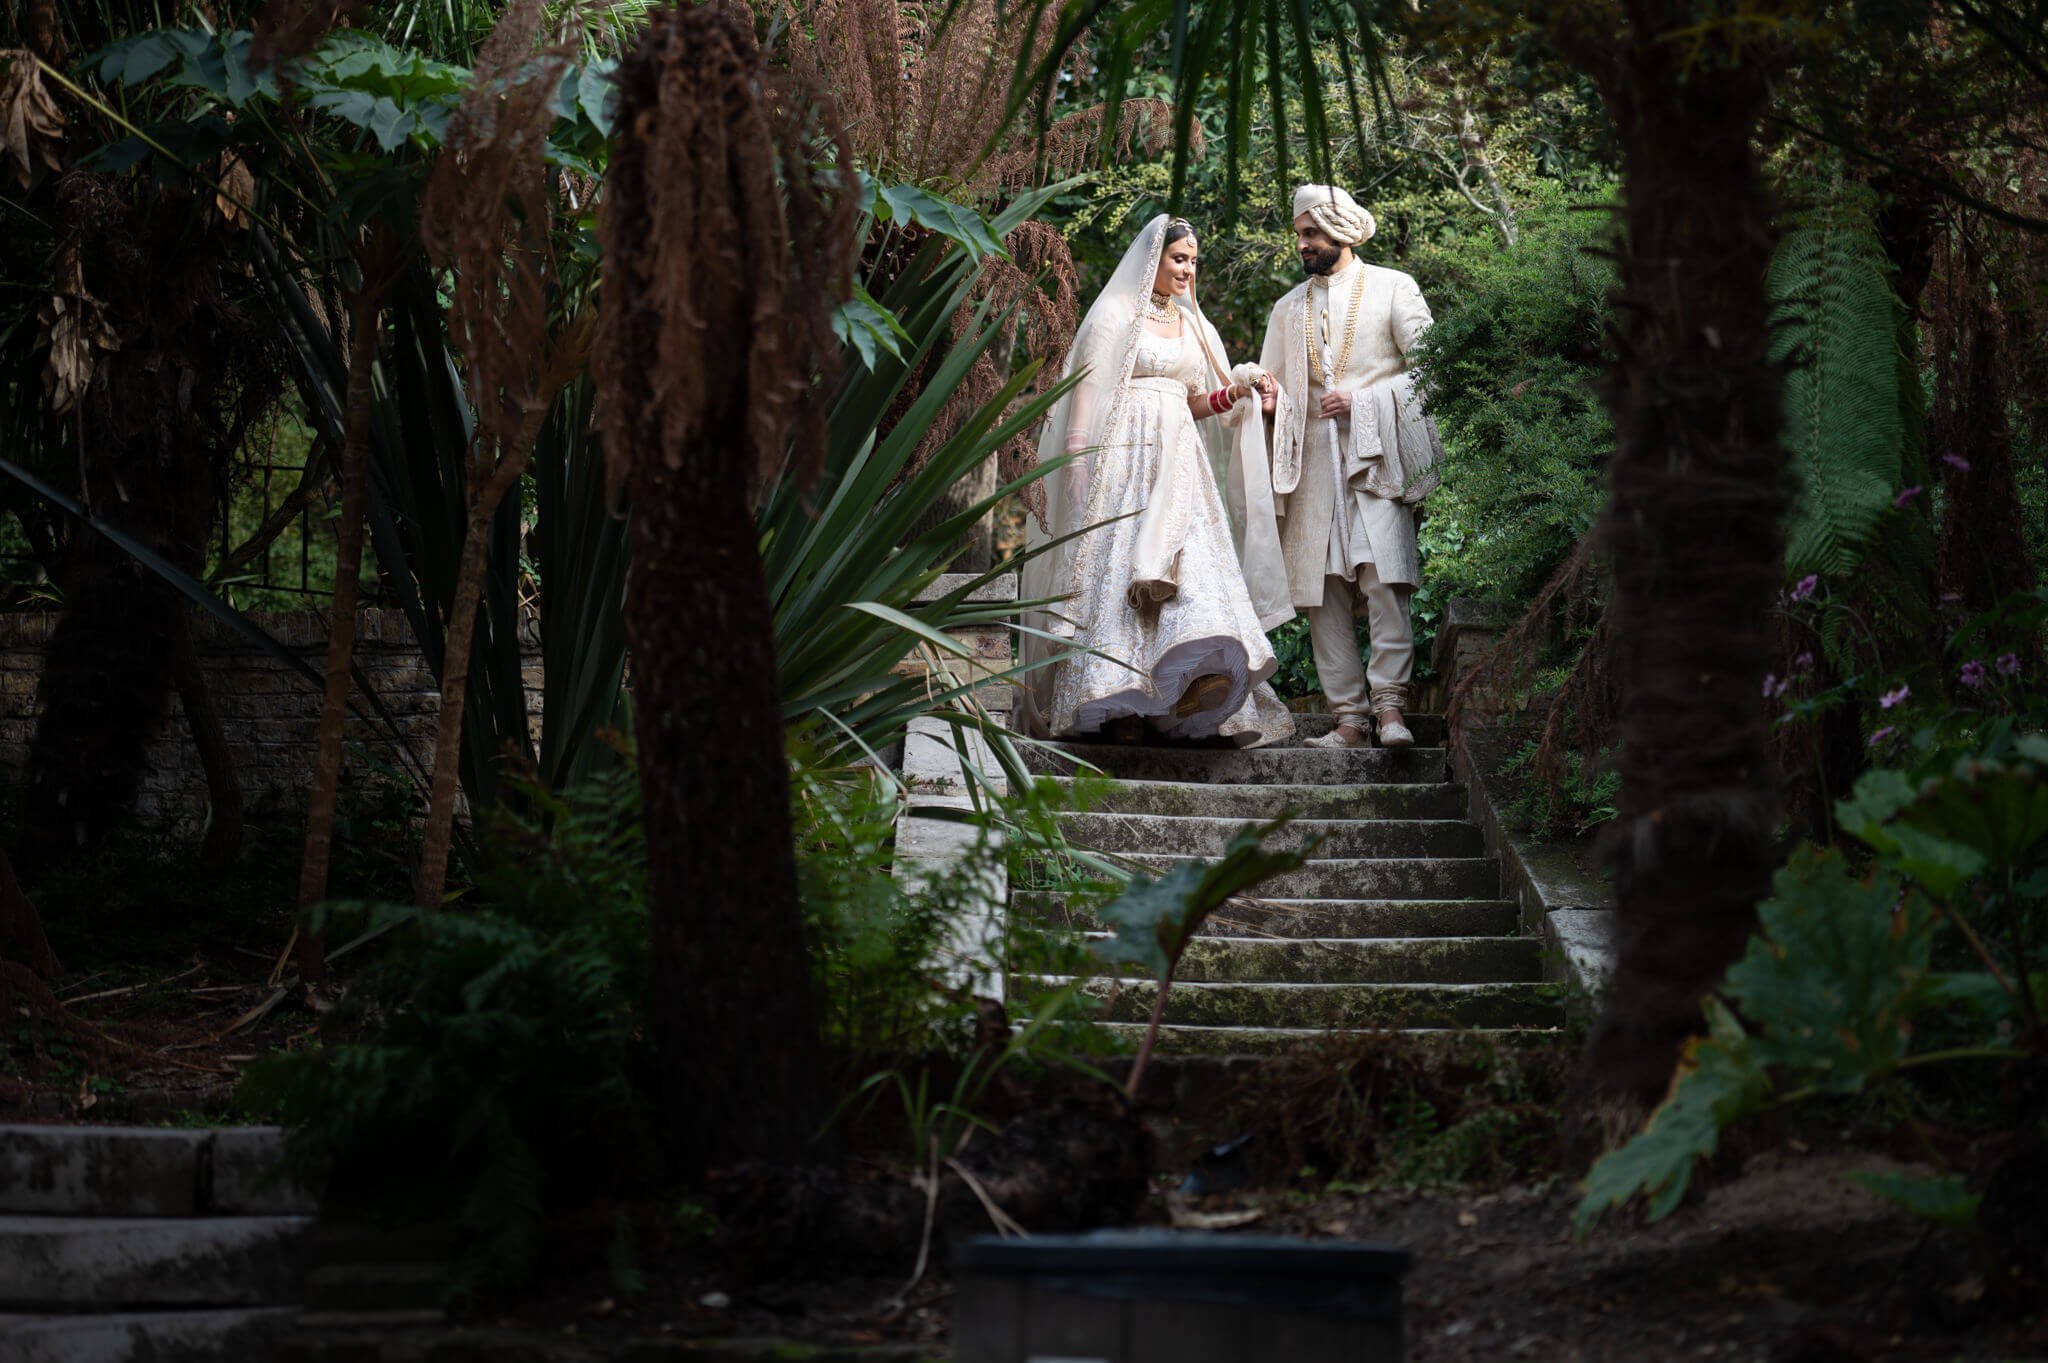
column 1350, row 328
column 1160, row 308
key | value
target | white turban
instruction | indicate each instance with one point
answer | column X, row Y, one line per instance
column 1336, row 212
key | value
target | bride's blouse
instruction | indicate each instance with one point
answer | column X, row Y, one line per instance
column 1167, row 357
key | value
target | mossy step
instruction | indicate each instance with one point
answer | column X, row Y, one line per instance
column 1182, row 836
column 1243, row 766
column 1429, row 730
column 1295, row 918
column 1347, row 960
column 1193, row 799
column 1330, row 1005
column 1192, row 1041
column 1365, row 877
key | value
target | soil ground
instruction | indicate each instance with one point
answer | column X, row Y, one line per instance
column 1787, row 1261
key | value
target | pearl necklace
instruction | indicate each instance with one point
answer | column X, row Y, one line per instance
column 1350, row 329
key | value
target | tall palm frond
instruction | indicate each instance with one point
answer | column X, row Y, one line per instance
column 1253, row 47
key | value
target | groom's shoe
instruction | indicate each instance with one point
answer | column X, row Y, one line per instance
column 1203, row 693
column 1393, row 733
column 1336, row 738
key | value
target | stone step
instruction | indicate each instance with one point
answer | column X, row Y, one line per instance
column 69, row 1262
column 1293, row 918
column 1336, row 960
column 146, row 1336
column 1429, row 730
column 1354, row 1006
column 1368, row 877
column 1191, row 799
column 1218, row 1041
column 1169, row 834
column 1244, row 766
column 140, row 1171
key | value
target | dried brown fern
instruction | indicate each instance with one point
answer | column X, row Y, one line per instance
column 487, row 217
column 1581, row 715
column 1042, row 284
column 1075, row 143
column 924, row 92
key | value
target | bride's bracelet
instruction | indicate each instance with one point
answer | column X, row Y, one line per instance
column 1220, row 401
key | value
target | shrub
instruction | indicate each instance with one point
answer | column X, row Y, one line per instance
column 1508, row 368
column 488, row 1066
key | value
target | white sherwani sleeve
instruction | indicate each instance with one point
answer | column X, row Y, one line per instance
column 1411, row 315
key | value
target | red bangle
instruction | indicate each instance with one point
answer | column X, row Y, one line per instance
column 1220, row 401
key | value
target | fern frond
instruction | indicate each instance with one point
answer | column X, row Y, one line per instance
column 1838, row 323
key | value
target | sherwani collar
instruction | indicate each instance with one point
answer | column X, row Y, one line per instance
column 1337, row 276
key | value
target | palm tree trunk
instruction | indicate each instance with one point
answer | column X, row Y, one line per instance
column 223, row 839
column 341, row 631
column 469, row 590
column 1694, row 525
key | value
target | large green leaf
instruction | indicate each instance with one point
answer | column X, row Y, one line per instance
column 1153, row 919
column 1840, row 964
column 1719, row 1081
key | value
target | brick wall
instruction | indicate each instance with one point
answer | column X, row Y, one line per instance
column 270, row 715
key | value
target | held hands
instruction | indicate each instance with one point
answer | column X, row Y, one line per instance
column 1269, row 394
column 1336, row 404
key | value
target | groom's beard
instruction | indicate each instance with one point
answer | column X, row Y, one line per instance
column 1317, row 260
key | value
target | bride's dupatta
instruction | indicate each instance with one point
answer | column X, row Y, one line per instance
column 1085, row 419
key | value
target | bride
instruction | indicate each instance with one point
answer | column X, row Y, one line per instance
column 1169, row 637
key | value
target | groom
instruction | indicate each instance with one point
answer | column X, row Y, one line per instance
column 1349, row 328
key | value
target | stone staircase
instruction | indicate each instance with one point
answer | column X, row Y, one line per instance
column 132, row 1243
column 1397, row 920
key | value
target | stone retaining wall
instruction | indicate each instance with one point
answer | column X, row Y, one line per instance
column 271, row 715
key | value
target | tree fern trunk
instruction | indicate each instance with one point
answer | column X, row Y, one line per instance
column 1694, row 527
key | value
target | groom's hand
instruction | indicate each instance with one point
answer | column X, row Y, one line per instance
column 1336, row 404
column 1269, row 394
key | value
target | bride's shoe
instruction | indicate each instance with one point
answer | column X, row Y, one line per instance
column 1203, row 693
column 1335, row 738
column 1126, row 730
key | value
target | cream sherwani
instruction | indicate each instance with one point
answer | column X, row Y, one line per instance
column 1344, row 540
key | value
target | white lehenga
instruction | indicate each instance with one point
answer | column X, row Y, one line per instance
column 1155, row 590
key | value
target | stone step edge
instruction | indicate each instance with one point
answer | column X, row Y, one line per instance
column 1146, row 981
column 1242, row 822
column 1238, row 940
column 145, row 1171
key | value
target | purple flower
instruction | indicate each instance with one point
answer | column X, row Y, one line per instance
column 1973, row 675
column 1956, row 461
column 1881, row 735
column 1806, row 586
column 2008, row 664
column 1908, row 495
column 1891, row 698
column 1774, row 687
column 1803, row 661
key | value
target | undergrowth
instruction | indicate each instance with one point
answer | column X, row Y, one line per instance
column 1384, row 1109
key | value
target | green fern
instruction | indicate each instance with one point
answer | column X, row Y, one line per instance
column 1838, row 324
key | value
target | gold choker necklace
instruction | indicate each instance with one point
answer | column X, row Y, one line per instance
column 1161, row 306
